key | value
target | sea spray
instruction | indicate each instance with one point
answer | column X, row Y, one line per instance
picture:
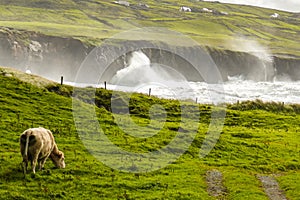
column 262, row 71
column 141, row 71
column 139, row 74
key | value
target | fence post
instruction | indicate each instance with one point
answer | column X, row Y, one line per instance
column 61, row 80
column 149, row 92
column 105, row 85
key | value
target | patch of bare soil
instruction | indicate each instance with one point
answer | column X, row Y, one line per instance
column 214, row 179
column 271, row 187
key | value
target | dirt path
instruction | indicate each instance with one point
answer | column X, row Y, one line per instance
column 214, row 180
column 271, row 187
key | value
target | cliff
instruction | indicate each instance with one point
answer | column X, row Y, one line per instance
column 41, row 54
column 52, row 57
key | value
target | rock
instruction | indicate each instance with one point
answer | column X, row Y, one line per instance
column 271, row 187
column 214, row 180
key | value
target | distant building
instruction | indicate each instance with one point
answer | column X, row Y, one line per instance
column 275, row 15
column 143, row 5
column 206, row 10
column 216, row 12
column 185, row 9
column 224, row 13
column 124, row 3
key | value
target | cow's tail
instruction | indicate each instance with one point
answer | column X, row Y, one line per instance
column 25, row 139
column 26, row 147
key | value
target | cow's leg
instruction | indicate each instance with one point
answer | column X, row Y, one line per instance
column 42, row 162
column 25, row 164
column 34, row 161
column 33, row 164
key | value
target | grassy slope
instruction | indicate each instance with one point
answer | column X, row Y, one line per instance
column 95, row 19
column 257, row 138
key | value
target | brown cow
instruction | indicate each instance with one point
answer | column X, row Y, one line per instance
column 36, row 145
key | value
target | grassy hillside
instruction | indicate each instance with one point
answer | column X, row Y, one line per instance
column 258, row 138
column 94, row 20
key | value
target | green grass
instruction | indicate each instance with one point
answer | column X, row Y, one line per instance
column 289, row 183
column 257, row 138
column 92, row 21
column 242, row 185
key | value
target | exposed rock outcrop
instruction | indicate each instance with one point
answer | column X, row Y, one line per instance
column 53, row 57
column 47, row 56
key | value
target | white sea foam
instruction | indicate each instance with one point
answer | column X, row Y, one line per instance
column 234, row 90
column 139, row 76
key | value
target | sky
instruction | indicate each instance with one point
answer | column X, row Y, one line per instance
column 287, row 5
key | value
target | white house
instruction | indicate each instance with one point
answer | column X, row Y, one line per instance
column 124, row 3
column 275, row 15
column 143, row 5
column 185, row 9
column 206, row 10
column 224, row 13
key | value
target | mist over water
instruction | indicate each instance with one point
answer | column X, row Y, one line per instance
column 263, row 71
column 139, row 75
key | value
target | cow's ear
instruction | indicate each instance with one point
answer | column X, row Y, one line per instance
column 60, row 154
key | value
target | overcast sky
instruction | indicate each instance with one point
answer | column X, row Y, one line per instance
column 287, row 5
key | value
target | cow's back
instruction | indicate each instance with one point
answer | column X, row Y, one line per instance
column 41, row 141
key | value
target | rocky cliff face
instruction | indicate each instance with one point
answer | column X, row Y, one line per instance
column 288, row 66
column 47, row 56
column 53, row 57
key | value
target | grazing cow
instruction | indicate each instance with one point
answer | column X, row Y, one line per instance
column 36, row 145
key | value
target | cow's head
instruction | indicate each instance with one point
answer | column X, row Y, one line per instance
column 58, row 159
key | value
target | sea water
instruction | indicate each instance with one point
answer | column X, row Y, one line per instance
column 142, row 77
